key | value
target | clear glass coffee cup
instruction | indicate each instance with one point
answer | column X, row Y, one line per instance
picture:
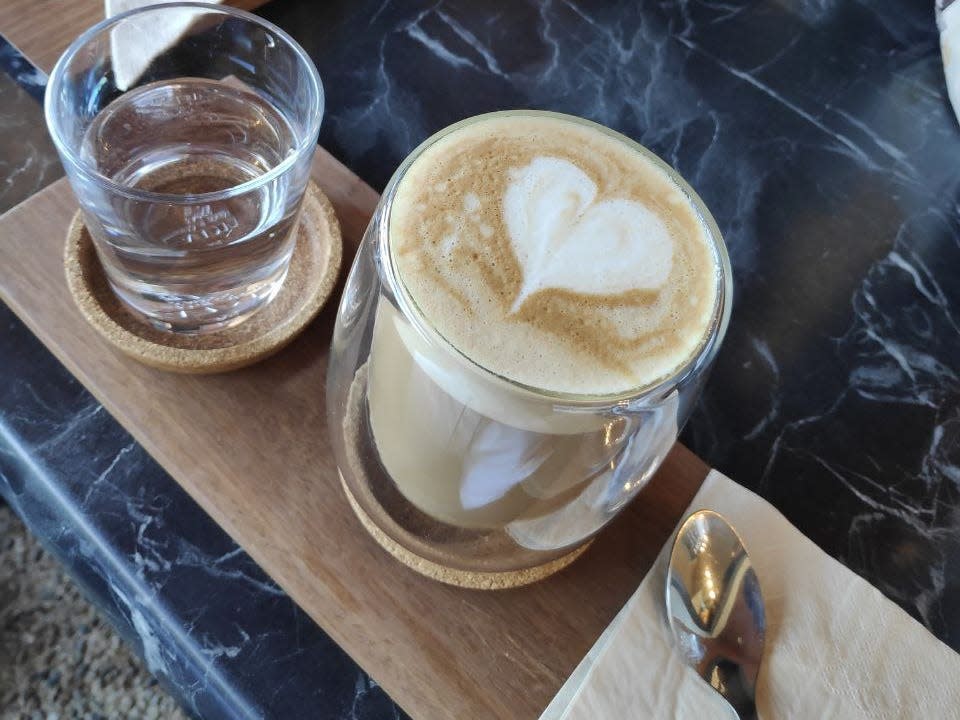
column 471, row 477
column 187, row 131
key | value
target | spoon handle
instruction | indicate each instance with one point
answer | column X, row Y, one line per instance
column 736, row 689
column 745, row 708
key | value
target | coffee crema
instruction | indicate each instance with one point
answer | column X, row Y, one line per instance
column 554, row 254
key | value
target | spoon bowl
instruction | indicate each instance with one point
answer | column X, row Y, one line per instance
column 715, row 608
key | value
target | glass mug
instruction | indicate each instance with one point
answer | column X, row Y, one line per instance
column 187, row 132
column 467, row 476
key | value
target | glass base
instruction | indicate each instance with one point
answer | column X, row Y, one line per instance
column 453, row 576
column 193, row 315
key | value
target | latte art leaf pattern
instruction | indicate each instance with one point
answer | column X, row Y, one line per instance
column 564, row 239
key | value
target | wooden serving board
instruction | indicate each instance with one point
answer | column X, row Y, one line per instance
column 251, row 447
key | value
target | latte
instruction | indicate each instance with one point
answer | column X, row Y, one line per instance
column 555, row 254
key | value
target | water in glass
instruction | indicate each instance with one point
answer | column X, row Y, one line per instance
column 187, row 260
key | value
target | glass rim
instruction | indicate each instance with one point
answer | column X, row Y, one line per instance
column 306, row 144
column 714, row 333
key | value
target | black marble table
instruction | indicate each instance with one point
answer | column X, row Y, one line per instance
column 818, row 132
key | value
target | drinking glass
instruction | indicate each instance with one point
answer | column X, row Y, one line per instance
column 187, row 131
column 466, row 475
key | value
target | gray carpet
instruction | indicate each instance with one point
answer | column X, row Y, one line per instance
column 59, row 659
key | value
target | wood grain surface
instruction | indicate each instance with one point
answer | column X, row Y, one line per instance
column 439, row 651
column 42, row 29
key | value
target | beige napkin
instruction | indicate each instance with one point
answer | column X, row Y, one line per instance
column 836, row 648
column 949, row 23
column 136, row 44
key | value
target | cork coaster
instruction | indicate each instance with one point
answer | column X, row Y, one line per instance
column 453, row 576
column 314, row 268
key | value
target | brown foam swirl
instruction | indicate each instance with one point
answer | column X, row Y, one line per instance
column 552, row 291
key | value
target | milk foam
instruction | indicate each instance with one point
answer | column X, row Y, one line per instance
column 563, row 239
column 554, row 254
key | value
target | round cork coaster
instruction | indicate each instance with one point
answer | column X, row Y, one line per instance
column 453, row 576
column 314, row 268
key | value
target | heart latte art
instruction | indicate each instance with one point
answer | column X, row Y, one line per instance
column 554, row 254
column 565, row 239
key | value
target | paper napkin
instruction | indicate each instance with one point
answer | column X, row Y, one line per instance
column 835, row 647
column 136, row 44
column 948, row 20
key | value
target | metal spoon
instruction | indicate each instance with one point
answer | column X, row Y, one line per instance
column 716, row 609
